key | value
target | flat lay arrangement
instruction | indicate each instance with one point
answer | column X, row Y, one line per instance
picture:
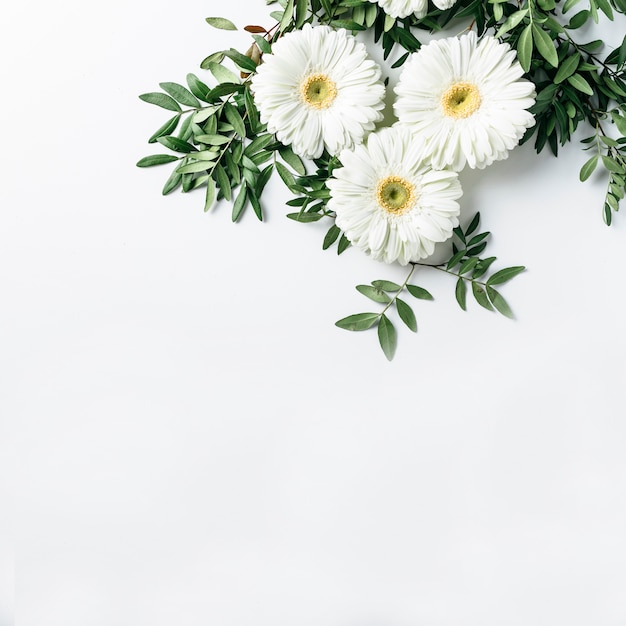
column 379, row 163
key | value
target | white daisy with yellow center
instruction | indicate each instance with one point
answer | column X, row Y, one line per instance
column 466, row 99
column 319, row 89
column 388, row 200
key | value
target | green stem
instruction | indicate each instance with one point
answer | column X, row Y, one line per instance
column 404, row 284
column 441, row 267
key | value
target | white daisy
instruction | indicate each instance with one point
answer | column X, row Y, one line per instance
column 402, row 8
column 444, row 4
column 466, row 99
column 319, row 89
column 389, row 201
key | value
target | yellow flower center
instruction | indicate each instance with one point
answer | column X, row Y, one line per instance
column 318, row 91
column 395, row 195
column 460, row 100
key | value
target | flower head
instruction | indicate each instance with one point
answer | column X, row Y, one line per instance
column 466, row 99
column 319, row 89
column 389, row 201
column 402, row 8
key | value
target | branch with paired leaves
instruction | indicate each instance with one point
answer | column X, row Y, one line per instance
column 465, row 264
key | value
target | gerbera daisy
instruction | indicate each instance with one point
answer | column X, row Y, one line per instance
column 402, row 8
column 319, row 89
column 466, row 99
column 389, row 201
column 444, row 4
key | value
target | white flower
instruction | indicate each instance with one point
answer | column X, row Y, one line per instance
column 466, row 99
column 389, row 201
column 319, row 89
column 444, row 4
column 402, row 8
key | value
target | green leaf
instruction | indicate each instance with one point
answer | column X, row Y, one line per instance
column 213, row 140
column 194, row 167
column 286, row 176
column 525, row 48
column 344, row 244
column 223, row 182
column 347, row 25
column 222, row 74
column 511, row 22
column 156, row 159
column 481, row 296
column 468, row 265
column 612, row 165
column 545, row 45
column 387, row 337
column 331, row 236
column 176, row 144
column 460, row 293
column 301, row 11
column 504, row 275
column 234, row 117
column 287, row 15
column 567, row 68
column 473, row 225
column 256, row 204
column 605, row 7
column 569, row 4
column 305, row 218
column 221, row 23
column 210, row 194
column 167, row 129
column 186, row 129
column 579, row 83
column 257, row 144
column 252, row 112
column 386, row 285
column 359, row 321
column 419, row 292
column 206, row 155
column 476, row 250
column 620, row 122
column 578, row 20
column 292, row 159
column 244, row 62
column 197, row 87
column 455, row 259
column 377, row 295
column 216, row 57
column 161, row 100
column 172, row 183
column 181, row 94
column 477, row 239
column 588, row 168
column 482, row 266
column 499, row 303
column 240, row 202
column 406, row 314
column 263, row 44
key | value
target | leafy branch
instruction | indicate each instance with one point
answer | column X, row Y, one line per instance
column 470, row 268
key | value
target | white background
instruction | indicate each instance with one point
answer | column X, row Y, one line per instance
column 188, row 439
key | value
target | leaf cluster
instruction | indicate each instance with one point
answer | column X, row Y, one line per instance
column 216, row 136
column 471, row 270
column 611, row 155
column 465, row 263
column 386, row 293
